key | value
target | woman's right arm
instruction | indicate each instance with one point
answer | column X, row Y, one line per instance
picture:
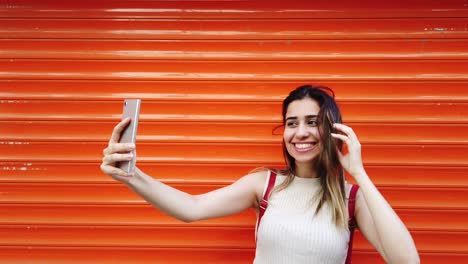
column 228, row 200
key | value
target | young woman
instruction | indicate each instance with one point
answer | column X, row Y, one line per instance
column 307, row 217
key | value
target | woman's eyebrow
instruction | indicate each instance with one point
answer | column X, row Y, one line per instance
column 307, row 116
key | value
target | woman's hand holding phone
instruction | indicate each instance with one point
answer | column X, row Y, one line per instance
column 116, row 153
column 120, row 156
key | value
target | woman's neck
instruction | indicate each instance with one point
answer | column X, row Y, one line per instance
column 305, row 171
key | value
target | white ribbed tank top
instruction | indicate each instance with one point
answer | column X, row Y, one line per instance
column 290, row 233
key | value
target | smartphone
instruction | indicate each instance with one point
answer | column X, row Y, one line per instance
column 131, row 108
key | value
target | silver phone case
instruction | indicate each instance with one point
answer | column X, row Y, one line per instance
column 131, row 108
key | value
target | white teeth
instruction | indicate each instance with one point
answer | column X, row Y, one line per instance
column 302, row 146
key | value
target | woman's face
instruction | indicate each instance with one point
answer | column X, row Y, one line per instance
column 301, row 136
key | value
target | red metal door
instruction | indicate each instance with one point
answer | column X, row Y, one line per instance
column 212, row 75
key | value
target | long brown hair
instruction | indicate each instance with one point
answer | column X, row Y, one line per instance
column 329, row 170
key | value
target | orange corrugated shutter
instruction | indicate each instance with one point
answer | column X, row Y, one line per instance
column 212, row 75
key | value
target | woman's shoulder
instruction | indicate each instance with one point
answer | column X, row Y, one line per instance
column 262, row 175
column 259, row 175
column 258, row 179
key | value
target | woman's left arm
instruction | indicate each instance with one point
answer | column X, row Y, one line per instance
column 375, row 217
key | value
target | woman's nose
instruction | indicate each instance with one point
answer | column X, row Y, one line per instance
column 302, row 131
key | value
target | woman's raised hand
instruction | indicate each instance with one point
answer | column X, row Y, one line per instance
column 116, row 152
column 351, row 161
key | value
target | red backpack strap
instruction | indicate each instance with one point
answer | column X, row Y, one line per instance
column 264, row 202
column 352, row 220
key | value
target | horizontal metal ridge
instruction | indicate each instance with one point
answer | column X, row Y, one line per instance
column 366, row 49
column 225, row 91
column 156, row 237
column 216, row 132
column 135, row 254
column 123, row 255
column 231, row 9
column 114, row 215
column 114, row 194
column 228, row 112
column 176, row 153
column 165, row 237
column 304, row 71
column 219, row 174
column 370, row 28
column 146, row 216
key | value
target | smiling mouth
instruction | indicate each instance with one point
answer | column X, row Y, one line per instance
column 303, row 147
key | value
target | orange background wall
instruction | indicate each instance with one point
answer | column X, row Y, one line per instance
column 212, row 75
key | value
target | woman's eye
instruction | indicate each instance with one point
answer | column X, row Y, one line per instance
column 312, row 122
column 291, row 124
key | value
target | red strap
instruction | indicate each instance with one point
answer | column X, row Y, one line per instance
column 352, row 220
column 266, row 195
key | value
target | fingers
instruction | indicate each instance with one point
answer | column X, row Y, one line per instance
column 112, row 159
column 343, row 128
column 117, row 152
column 115, row 173
column 348, row 136
column 118, row 148
column 115, row 137
column 346, row 130
column 108, row 165
column 339, row 136
column 110, row 170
